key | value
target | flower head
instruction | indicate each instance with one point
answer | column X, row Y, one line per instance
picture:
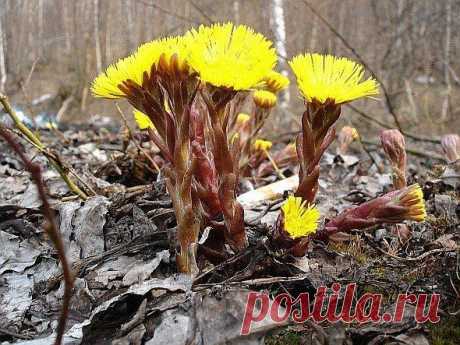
column 230, row 56
column 326, row 77
column 242, row 118
column 142, row 120
column 411, row 198
column 167, row 54
column 299, row 220
column 262, row 145
column 275, row 81
column 264, row 99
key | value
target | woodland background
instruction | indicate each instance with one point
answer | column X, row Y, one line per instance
column 54, row 48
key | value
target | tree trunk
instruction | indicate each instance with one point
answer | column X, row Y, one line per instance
column 446, row 103
column 279, row 27
column 2, row 56
column 96, row 36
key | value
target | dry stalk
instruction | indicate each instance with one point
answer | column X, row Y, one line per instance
column 53, row 158
column 51, row 230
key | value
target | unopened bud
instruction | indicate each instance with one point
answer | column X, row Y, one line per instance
column 451, row 146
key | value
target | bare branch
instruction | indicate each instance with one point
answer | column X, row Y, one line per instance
column 51, row 230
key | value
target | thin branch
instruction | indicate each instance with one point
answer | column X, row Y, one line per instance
column 384, row 125
column 51, row 230
column 202, row 12
column 53, row 158
column 167, row 12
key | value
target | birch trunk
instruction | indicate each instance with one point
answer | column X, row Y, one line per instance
column 2, row 55
column 445, row 105
column 236, row 11
column 97, row 40
column 279, row 28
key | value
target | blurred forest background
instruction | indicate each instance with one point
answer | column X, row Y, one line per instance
column 50, row 50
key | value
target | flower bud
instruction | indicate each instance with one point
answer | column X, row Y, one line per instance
column 346, row 136
column 451, row 146
column 394, row 207
column 264, row 99
column 394, row 145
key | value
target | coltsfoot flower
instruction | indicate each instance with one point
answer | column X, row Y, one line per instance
column 242, row 118
column 167, row 55
column 299, row 220
column 262, row 145
column 229, row 56
column 264, row 99
column 325, row 78
column 275, row 81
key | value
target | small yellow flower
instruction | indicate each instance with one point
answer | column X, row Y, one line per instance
column 354, row 133
column 299, row 220
column 264, row 99
column 262, row 145
column 326, row 77
column 275, row 81
column 230, row 56
column 242, row 118
column 413, row 200
column 142, row 120
column 167, row 54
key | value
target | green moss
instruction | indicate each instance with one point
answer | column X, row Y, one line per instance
column 284, row 338
column 446, row 332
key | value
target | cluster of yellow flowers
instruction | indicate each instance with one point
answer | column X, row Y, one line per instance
column 236, row 58
column 222, row 55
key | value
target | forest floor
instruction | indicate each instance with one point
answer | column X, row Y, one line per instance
column 127, row 290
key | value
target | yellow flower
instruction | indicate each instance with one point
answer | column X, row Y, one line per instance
column 326, row 77
column 242, row 118
column 354, row 133
column 299, row 220
column 264, row 99
column 166, row 54
column 235, row 137
column 412, row 200
column 142, row 120
column 229, row 56
column 275, row 81
column 262, row 145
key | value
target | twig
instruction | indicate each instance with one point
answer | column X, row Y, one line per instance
column 53, row 159
column 417, row 258
column 167, row 12
column 275, row 166
column 202, row 12
column 413, row 152
column 65, row 105
column 14, row 335
column 384, row 125
column 51, row 230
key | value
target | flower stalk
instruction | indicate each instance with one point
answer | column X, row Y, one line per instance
column 392, row 208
